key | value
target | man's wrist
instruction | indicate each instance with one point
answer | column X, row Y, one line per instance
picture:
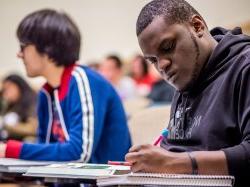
column 193, row 163
column 181, row 164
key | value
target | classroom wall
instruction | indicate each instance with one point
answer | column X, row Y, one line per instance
column 106, row 25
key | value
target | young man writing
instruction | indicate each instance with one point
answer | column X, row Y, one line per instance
column 209, row 128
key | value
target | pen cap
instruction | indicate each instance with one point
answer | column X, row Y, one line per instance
column 164, row 133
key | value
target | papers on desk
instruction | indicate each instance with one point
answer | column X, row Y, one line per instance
column 19, row 166
column 107, row 175
column 77, row 170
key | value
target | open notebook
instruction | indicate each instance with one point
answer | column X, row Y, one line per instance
column 106, row 175
column 167, row 180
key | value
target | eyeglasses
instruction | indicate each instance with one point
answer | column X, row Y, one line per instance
column 23, row 46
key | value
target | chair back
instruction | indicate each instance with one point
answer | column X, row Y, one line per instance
column 145, row 126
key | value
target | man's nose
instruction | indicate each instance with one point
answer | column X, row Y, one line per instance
column 19, row 54
column 163, row 64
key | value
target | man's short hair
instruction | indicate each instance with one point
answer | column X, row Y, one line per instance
column 116, row 59
column 174, row 11
column 53, row 33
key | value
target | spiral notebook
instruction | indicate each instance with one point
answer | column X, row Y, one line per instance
column 175, row 180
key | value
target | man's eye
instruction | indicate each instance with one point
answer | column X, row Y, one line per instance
column 167, row 48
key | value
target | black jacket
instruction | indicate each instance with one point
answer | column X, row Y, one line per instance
column 215, row 113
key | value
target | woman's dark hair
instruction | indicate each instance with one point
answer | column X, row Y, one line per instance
column 116, row 59
column 53, row 33
column 26, row 105
column 143, row 63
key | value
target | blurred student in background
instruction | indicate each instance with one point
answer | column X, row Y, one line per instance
column 94, row 65
column 80, row 115
column 18, row 110
column 141, row 75
column 112, row 69
column 161, row 92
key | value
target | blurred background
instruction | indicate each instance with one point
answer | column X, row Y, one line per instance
column 107, row 26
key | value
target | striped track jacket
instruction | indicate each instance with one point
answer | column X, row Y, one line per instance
column 92, row 119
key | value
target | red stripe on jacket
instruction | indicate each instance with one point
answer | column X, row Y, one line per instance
column 13, row 149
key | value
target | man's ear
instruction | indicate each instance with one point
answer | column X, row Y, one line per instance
column 198, row 25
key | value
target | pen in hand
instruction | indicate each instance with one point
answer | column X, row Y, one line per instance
column 119, row 163
column 159, row 139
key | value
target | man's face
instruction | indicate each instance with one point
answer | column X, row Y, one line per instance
column 33, row 60
column 174, row 51
column 109, row 70
column 10, row 92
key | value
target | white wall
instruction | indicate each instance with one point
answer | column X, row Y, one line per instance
column 223, row 12
column 106, row 25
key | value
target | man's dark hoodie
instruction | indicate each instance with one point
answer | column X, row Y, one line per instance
column 215, row 113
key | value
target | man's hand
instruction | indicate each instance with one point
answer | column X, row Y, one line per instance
column 2, row 150
column 149, row 158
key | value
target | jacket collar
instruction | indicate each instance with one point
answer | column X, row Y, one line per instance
column 64, row 83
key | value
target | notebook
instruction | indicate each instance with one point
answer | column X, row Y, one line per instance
column 11, row 165
column 107, row 175
column 175, row 180
column 77, row 171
